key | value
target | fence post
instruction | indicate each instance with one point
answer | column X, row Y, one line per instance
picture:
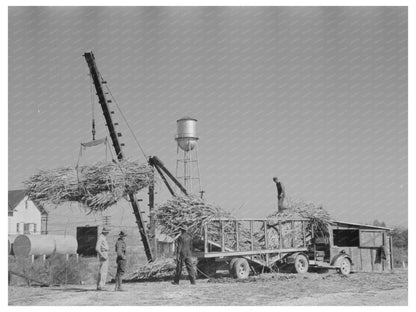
column 222, row 236
column 251, row 235
column 206, row 237
column 237, row 235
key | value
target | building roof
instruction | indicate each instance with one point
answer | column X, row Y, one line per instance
column 363, row 225
column 186, row 118
column 16, row 196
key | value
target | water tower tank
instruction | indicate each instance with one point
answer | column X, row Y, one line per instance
column 186, row 133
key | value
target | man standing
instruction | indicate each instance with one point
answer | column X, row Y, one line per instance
column 102, row 252
column 281, row 194
column 121, row 260
column 183, row 255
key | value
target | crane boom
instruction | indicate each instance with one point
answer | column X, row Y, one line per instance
column 97, row 80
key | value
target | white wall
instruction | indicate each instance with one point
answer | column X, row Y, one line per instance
column 25, row 212
column 64, row 220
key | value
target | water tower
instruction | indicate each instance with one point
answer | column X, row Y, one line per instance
column 187, row 167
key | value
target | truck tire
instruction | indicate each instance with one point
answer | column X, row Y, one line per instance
column 345, row 266
column 301, row 264
column 241, row 269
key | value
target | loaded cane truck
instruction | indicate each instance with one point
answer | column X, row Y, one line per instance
column 259, row 245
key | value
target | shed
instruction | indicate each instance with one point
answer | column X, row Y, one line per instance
column 165, row 245
column 370, row 247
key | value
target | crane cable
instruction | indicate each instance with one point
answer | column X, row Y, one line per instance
column 125, row 120
column 92, row 109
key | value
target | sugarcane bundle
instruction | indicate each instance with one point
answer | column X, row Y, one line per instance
column 194, row 213
column 292, row 231
column 96, row 187
column 318, row 217
column 189, row 211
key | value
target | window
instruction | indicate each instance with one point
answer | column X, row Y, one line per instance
column 346, row 238
column 34, row 227
column 17, row 227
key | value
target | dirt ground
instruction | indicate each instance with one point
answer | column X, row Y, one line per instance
column 374, row 289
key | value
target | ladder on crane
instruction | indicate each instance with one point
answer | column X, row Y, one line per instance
column 153, row 161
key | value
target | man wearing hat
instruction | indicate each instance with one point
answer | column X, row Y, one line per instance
column 121, row 260
column 102, row 251
column 281, row 193
column 183, row 255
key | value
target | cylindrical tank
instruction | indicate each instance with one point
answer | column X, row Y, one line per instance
column 186, row 133
column 12, row 237
column 26, row 245
column 65, row 244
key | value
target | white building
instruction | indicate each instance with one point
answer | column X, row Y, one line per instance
column 25, row 216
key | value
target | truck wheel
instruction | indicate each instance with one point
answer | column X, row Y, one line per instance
column 345, row 266
column 301, row 264
column 241, row 268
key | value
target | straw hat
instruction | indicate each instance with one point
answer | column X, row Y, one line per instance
column 122, row 234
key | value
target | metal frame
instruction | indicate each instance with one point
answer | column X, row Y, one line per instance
column 97, row 80
column 228, row 252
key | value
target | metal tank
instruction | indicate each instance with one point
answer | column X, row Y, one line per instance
column 186, row 133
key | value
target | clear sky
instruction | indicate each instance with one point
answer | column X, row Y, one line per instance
column 316, row 96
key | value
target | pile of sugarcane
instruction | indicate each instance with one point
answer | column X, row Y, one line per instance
column 191, row 212
column 97, row 187
column 317, row 218
column 194, row 213
column 160, row 269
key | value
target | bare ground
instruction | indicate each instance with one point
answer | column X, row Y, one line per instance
column 381, row 289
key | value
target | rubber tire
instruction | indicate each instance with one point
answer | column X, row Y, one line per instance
column 241, row 269
column 231, row 266
column 301, row 264
column 345, row 267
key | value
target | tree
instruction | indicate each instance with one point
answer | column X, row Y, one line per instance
column 400, row 237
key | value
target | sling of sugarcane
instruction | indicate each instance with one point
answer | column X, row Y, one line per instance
column 97, row 187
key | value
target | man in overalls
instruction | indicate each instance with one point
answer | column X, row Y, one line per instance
column 183, row 255
column 121, row 260
column 281, row 194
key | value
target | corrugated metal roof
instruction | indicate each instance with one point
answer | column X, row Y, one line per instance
column 363, row 225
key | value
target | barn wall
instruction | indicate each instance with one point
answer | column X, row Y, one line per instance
column 25, row 212
column 368, row 256
column 64, row 220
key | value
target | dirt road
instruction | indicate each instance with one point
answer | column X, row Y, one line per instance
column 266, row 289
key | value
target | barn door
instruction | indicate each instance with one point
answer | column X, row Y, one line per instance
column 373, row 256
